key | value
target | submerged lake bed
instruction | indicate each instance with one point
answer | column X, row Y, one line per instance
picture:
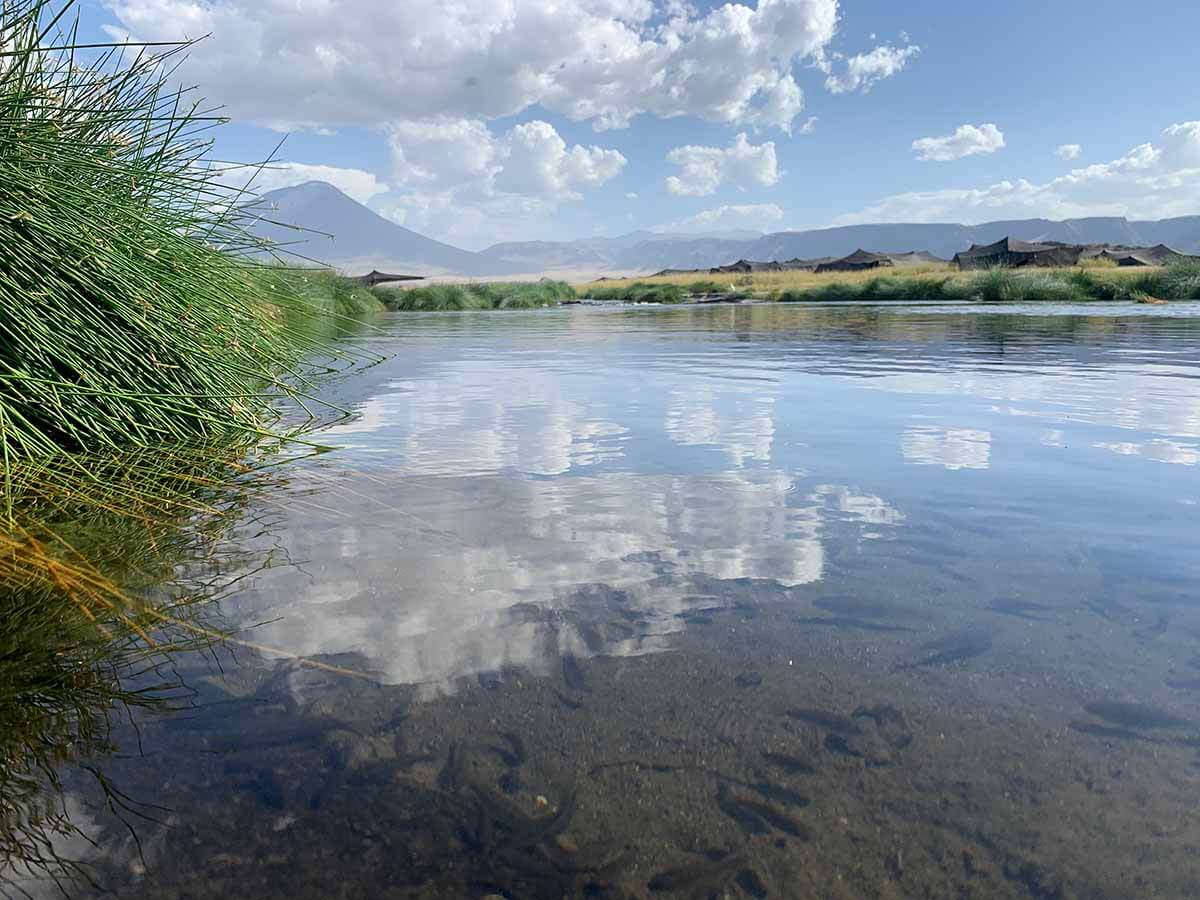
column 746, row 601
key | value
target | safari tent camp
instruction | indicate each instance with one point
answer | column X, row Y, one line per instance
column 1011, row 253
column 915, row 258
column 1158, row 255
column 857, row 261
column 746, row 266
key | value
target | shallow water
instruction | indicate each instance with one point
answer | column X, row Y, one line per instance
column 730, row 601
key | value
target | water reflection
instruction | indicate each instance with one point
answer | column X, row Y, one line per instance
column 739, row 420
column 434, row 581
column 747, row 601
column 113, row 567
column 1161, row 449
column 951, row 448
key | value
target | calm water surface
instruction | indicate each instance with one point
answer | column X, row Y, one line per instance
column 730, row 601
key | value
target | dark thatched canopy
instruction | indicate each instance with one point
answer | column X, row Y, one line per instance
column 375, row 277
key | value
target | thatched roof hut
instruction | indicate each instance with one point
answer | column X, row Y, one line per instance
column 1011, row 253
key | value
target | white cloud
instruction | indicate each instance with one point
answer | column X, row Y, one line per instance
column 865, row 70
column 1153, row 180
column 705, row 169
column 1069, row 151
column 360, row 185
column 756, row 216
column 443, row 152
column 311, row 64
column 461, row 182
column 631, row 196
column 539, row 164
column 967, row 140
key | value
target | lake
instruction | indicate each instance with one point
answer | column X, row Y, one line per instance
column 746, row 601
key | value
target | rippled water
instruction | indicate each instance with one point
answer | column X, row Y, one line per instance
column 733, row 601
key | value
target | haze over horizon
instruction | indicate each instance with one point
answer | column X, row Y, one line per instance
column 484, row 122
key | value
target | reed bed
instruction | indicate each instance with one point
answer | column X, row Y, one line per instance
column 640, row 292
column 476, row 296
column 128, row 316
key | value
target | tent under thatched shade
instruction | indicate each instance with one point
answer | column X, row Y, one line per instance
column 375, row 277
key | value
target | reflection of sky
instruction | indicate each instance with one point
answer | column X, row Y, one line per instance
column 739, row 420
column 516, row 482
column 951, row 448
column 461, row 423
column 1157, row 401
column 1160, row 450
column 436, row 580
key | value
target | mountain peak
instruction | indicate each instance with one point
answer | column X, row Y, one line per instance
column 361, row 238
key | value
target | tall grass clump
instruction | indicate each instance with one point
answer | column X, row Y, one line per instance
column 641, row 292
column 127, row 316
column 884, row 288
column 1179, row 281
column 1007, row 286
column 495, row 295
column 141, row 358
column 329, row 295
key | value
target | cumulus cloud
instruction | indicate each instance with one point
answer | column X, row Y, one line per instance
column 865, row 70
column 742, row 164
column 1069, row 151
column 631, row 196
column 754, row 216
column 538, row 163
column 288, row 64
column 967, row 140
column 1153, row 180
column 458, row 179
column 360, row 185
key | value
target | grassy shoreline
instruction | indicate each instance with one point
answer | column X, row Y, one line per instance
column 476, row 296
column 932, row 284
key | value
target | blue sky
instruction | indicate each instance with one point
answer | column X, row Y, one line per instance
column 535, row 119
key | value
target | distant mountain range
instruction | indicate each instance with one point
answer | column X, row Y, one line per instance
column 363, row 240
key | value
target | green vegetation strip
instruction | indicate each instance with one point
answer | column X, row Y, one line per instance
column 651, row 292
column 449, row 297
column 1180, row 281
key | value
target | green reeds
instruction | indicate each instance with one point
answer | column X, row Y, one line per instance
column 1179, row 281
column 122, row 321
column 641, row 292
column 494, row 295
